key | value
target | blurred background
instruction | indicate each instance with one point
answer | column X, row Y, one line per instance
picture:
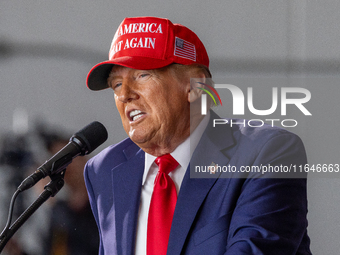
column 48, row 47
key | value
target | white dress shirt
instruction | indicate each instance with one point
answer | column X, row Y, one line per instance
column 182, row 154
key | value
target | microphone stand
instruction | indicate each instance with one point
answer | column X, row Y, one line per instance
column 50, row 190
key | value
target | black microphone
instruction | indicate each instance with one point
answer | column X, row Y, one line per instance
column 81, row 143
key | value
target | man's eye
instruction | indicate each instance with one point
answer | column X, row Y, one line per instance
column 116, row 85
column 143, row 75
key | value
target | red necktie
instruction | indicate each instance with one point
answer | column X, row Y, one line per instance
column 162, row 207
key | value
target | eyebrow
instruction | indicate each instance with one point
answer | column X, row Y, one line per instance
column 111, row 77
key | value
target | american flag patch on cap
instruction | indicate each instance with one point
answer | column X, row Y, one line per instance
column 185, row 49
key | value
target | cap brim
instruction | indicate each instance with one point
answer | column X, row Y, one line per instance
column 97, row 77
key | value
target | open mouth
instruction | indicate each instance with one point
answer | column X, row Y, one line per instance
column 135, row 115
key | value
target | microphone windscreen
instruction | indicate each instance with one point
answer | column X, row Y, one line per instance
column 91, row 136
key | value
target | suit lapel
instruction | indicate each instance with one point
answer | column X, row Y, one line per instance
column 194, row 190
column 127, row 181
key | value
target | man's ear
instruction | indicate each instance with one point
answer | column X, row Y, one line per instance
column 194, row 94
column 196, row 83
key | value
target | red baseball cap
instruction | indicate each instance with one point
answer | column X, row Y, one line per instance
column 145, row 43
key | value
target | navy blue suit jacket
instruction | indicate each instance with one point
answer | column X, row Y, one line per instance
column 213, row 215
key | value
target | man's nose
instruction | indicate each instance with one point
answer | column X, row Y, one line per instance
column 127, row 92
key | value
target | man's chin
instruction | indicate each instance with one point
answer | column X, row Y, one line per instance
column 139, row 139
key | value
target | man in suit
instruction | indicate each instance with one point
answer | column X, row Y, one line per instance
column 151, row 63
